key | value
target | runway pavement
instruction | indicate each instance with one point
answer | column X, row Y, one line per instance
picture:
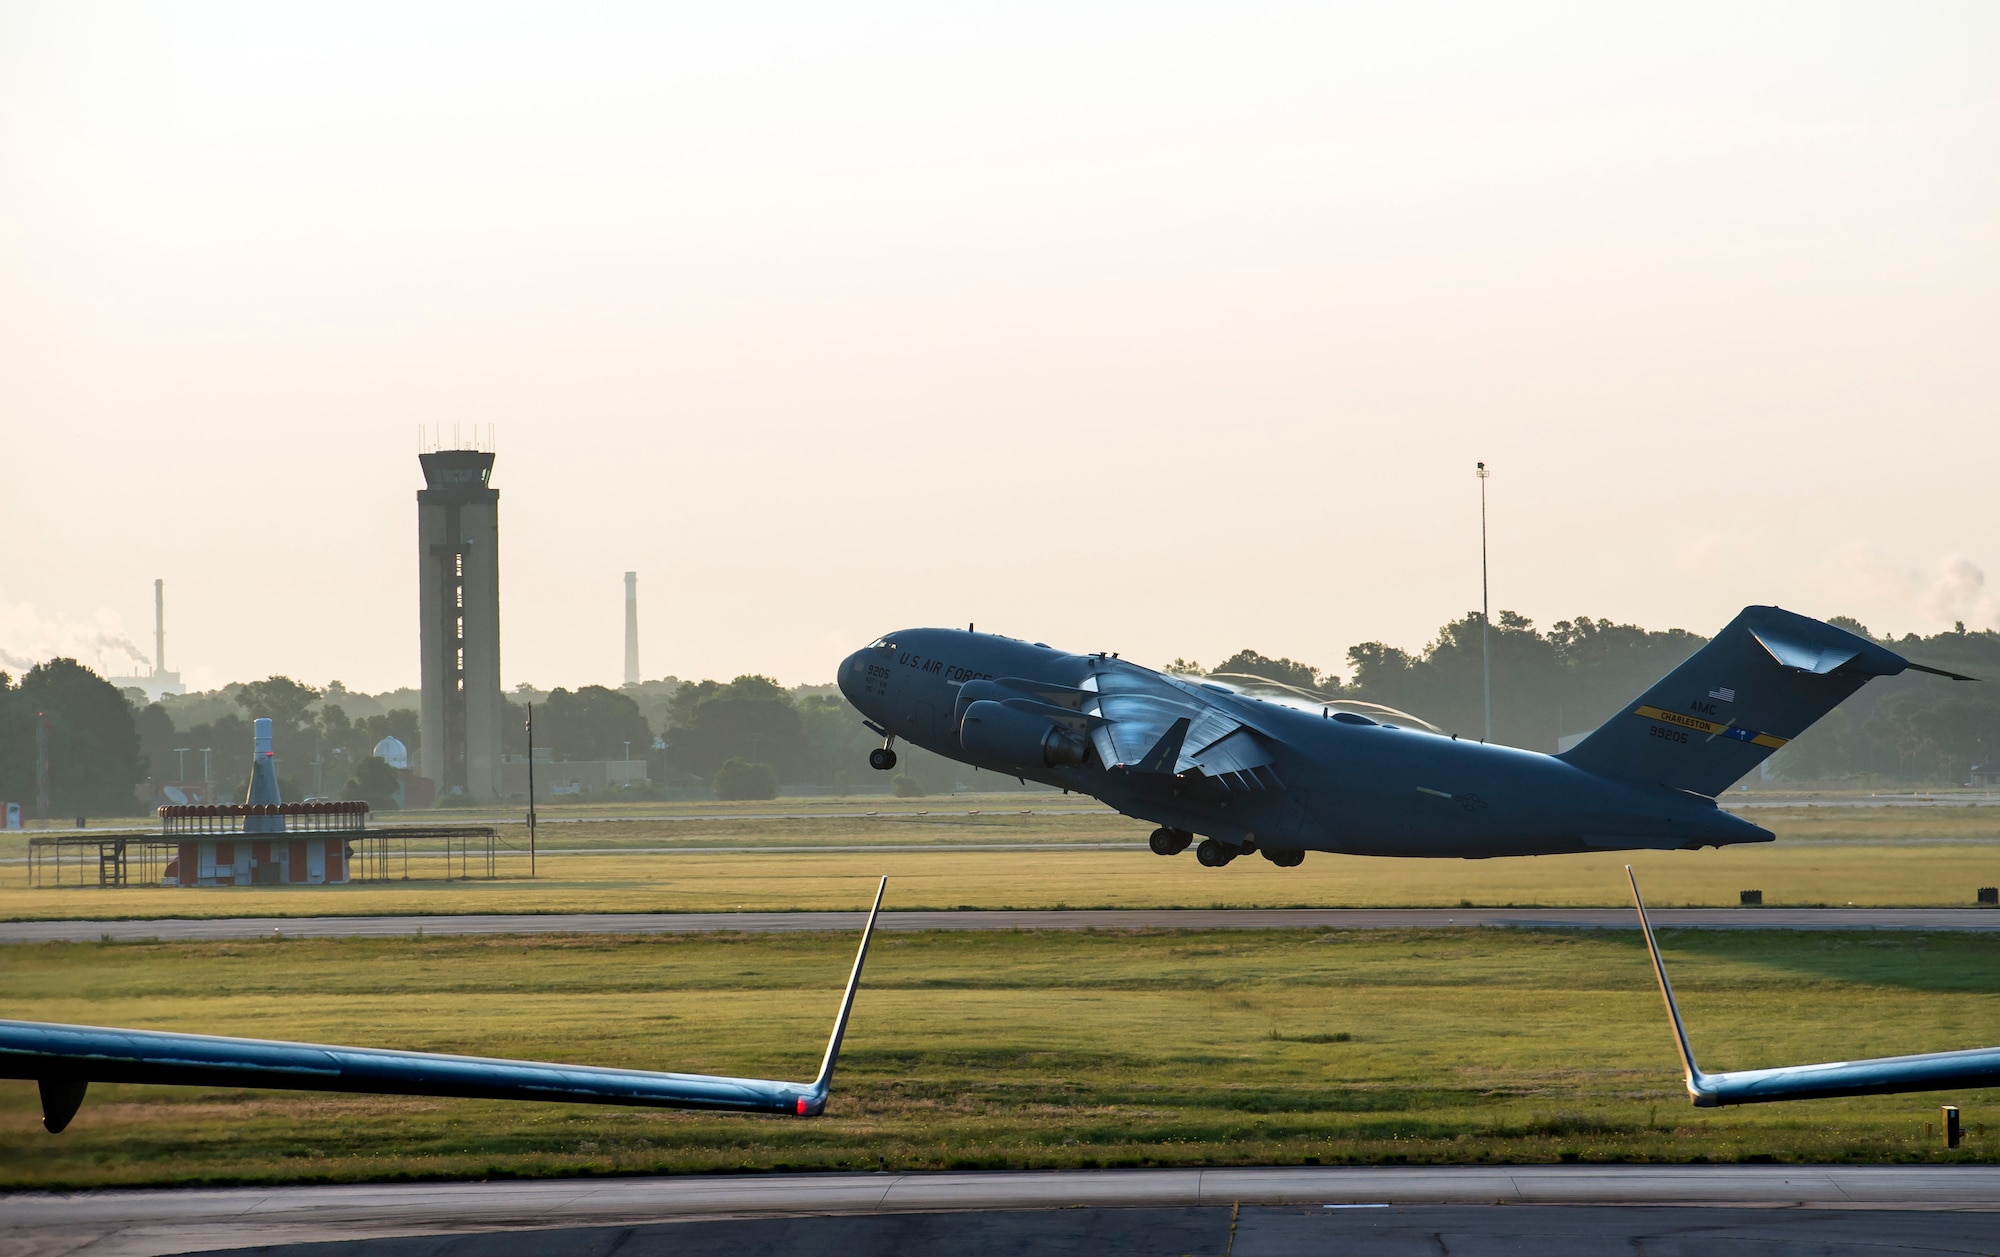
column 1844, row 1198
column 178, row 929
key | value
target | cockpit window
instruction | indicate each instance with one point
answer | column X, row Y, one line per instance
column 881, row 643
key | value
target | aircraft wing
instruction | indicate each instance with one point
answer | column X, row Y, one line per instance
column 64, row 1060
column 1882, row 1075
column 1148, row 723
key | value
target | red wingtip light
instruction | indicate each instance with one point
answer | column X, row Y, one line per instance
column 802, row 1106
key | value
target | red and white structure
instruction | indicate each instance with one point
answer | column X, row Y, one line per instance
column 220, row 844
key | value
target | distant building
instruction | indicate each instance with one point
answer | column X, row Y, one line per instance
column 266, row 851
column 391, row 751
column 458, row 534
column 631, row 628
column 159, row 682
column 575, row 776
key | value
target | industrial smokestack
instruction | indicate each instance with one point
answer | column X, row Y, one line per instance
column 631, row 628
column 159, row 627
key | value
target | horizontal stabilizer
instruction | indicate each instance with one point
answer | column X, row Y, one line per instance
column 1882, row 1075
column 1760, row 683
column 65, row 1059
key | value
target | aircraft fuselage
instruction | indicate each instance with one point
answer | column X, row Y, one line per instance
column 1330, row 784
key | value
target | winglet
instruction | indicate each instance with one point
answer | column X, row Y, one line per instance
column 811, row 1103
column 1697, row 1082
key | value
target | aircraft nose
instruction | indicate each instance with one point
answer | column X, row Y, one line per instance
column 849, row 676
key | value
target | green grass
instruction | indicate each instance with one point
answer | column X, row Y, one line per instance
column 1020, row 1049
column 729, row 857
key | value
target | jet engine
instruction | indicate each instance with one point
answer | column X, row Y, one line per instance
column 998, row 733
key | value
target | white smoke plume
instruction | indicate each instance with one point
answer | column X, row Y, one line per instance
column 1958, row 594
column 1893, row 597
column 29, row 637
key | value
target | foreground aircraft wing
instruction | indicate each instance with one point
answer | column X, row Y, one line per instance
column 1931, row 1071
column 64, row 1060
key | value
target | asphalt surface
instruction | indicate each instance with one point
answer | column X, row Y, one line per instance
column 1473, row 1209
column 1213, row 1231
column 179, row 929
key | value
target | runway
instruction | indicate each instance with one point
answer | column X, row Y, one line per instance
column 178, row 929
column 1270, row 1211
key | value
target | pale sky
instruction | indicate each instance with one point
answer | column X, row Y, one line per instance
column 1162, row 329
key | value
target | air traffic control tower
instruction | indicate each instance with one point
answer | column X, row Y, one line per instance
column 458, row 531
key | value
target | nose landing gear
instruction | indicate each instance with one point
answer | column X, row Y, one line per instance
column 881, row 759
column 1169, row 841
column 1283, row 859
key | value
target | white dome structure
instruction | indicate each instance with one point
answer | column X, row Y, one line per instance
column 391, row 751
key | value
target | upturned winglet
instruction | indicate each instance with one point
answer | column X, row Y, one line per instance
column 811, row 1104
column 64, row 1060
column 1881, row 1075
column 1696, row 1081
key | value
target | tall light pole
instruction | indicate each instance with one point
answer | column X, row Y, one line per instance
column 531, row 791
column 1485, row 604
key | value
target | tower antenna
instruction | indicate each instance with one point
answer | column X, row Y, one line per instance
column 1485, row 605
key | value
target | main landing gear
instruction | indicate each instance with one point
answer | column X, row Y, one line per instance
column 1169, row 841
column 1213, row 854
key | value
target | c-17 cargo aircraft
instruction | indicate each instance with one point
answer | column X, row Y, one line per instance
column 1282, row 775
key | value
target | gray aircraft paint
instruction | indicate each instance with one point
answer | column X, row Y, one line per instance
column 1289, row 776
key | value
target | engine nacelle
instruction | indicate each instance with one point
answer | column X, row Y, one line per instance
column 1001, row 734
column 975, row 691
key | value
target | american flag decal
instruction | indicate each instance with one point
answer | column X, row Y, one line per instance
column 1723, row 693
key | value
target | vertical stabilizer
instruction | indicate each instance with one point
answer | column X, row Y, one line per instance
column 1762, row 681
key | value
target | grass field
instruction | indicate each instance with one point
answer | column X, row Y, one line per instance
column 1024, row 1050
column 983, row 851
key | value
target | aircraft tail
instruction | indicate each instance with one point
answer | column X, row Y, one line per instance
column 1760, row 683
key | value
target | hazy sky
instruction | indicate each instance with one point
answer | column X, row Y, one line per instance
column 1164, row 329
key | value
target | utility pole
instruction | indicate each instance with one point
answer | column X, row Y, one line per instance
column 42, row 767
column 531, row 791
column 1485, row 605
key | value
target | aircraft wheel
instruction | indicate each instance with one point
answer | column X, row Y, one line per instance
column 1285, row 859
column 881, row 759
column 1213, row 854
column 1169, row 841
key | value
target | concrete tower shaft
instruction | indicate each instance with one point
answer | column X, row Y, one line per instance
column 631, row 628
column 458, row 561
